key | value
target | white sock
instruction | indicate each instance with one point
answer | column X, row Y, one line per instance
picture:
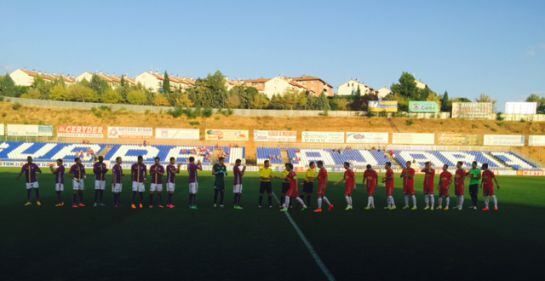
column 319, row 202
column 348, row 200
column 301, row 201
column 392, row 202
column 448, row 202
column 286, row 201
column 440, row 203
column 495, row 200
column 372, row 200
column 406, row 197
column 427, row 200
column 432, row 200
column 327, row 201
column 350, row 197
column 414, row 200
column 486, row 201
column 369, row 201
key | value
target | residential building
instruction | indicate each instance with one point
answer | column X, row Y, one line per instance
column 352, row 86
column 112, row 80
column 154, row 81
column 23, row 77
column 314, row 85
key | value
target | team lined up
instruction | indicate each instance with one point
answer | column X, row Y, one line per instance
column 290, row 184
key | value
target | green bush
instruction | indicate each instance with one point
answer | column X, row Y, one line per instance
column 16, row 106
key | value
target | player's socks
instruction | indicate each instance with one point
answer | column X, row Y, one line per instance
column 37, row 191
column 319, row 203
column 151, row 201
column 309, row 198
column 260, row 201
column 406, row 197
column 414, row 200
column 327, row 201
column 160, row 197
column 28, row 194
column 74, row 198
column 133, row 197
column 495, row 201
column 432, row 202
column 447, row 202
column 440, row 203
column 286, row 201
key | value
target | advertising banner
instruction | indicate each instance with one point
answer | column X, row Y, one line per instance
column 275, row 136
column 536, row 140
column 423, row 106
column 382, row 106
column 226, row 135
column 472, row 109
column 20, row 130
column 366, row 137
column 322, row 137
column 2, row 129
column 80, row 131
column 520, row 107
column 130, row 132
column 503, row 140
column 177, row 134
column 457, row 139
column 413, row 138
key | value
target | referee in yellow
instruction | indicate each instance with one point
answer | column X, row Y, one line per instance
column 308, row 184
column 265, row 185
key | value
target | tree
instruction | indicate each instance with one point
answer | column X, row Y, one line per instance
column 183, row 100
column 445, row 103
column 540, row 102
column 59, row 92
column 160, row 100
column 260, row 101
column 406, row 87
column 112, row 96
column 98, row 85
column 79, row 92
column 137, row 96
column 210, row 91
column 323, row 102
column 166, row 84
column 339, row 103
column 8, row 87
column 123, row 88
column 484, row 98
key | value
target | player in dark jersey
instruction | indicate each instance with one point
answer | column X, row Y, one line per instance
column 59, row 181
column 219, row 171
column 31, row 170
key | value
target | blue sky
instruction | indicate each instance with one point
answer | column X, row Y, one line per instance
column 465, row 47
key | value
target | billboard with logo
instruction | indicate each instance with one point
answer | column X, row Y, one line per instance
column 504, row 140
column 413, row 138
column 130, row 132
column 457, row 139
column 23, row 130
column 423, row 106
column 472, row 110
column 226, row 135
column 275, row 136
column 67, row 131
column 177, row 134
column 382, row 106
column 366, row 137
column 322, row 137
column 520, row 107
column 536, row 140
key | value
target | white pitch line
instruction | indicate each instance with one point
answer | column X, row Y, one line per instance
column 309, row 246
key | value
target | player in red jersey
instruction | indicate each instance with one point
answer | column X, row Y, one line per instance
column 487, row 184
column 429, row 196
column 322, row 187
column 459, row 186
column 445, row 179
column 370, row 179
column 293, row 191
column 389, row 184
column 349, row 185
column 408, row 186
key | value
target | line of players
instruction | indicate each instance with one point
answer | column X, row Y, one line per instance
column 290, row 184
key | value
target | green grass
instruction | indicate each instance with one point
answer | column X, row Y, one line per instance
column 259, row 244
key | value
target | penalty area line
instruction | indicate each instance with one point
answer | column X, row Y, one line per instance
column 309, row 246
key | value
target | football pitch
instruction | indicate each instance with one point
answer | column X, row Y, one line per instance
column 50, row 243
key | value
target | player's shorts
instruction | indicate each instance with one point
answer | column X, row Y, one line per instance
column 193, row 187
column 321, row 190
column 371, row 190
column 138, row 186
column 285, row 187
column 459, row 190
column 429, row 190
column 348, row 190
column 308, row 187
column 100, row 185
column 292, row 192
column 389, row 191
column 488, row 190
column 443, row 191
column 265, row 186
column 171, row 187
column 78, row 185
column 219, row 186
column 156, row 187
column 409, row 190
column 237, row 188
column 31, row 185
column 117, row 188
column 59, row 187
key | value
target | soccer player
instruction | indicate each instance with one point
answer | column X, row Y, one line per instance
column 349, row 185
column 389, row 184
column 487, row 184
column 156, row 172
column 117, row 181
column 172, row 170
column 238, row 173
column 193, row 169
column 139, row 172
column 407, row 175
column 265, row 184
column 370, row 179
column 474, row 179
column 285, row 187
column 100, row 170
column 308, row 183
column 293, row 191
column 459, row 179
column 322, row 187
column 445, row 179
column 219, row 171
column 59, row 181
column 429, row 193
column 77, row 172
column 31, row 170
